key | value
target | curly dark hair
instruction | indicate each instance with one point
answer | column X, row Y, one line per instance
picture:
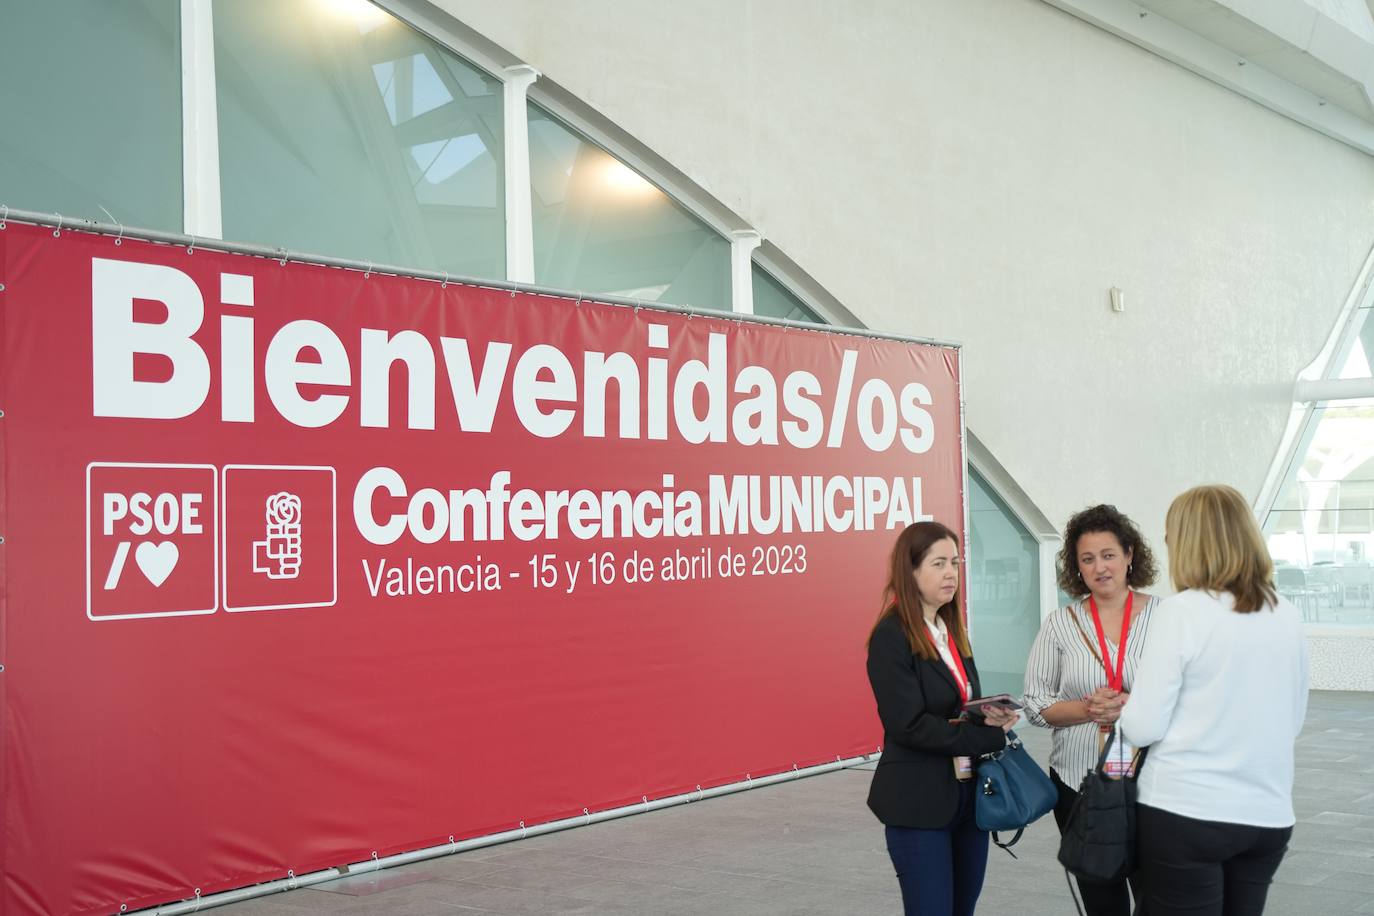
column 1108, row 519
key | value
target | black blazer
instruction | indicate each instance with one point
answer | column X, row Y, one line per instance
column 914, row 784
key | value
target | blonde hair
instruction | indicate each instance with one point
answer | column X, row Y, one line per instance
column 1215, row 545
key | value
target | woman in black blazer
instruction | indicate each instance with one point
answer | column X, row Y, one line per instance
column 922, row 672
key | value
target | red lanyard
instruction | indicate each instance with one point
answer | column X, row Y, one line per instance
column 1114, row 678
column 957, row 669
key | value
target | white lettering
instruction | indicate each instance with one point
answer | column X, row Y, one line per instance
column 116, row 338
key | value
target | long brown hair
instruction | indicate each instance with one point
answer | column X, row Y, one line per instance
column 903, row 601
column 1215, row 545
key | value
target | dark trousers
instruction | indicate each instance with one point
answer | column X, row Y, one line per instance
column 1206, row 868
column 1099, row 898
column 941, row 871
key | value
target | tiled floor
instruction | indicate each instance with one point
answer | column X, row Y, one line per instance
column 811, row 847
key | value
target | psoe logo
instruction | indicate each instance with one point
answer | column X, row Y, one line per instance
column 279, row 544
column 278, row 554
column 150, row 540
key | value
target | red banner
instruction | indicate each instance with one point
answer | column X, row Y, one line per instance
column 302, row 564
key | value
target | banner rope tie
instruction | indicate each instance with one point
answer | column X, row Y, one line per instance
column 119, row 240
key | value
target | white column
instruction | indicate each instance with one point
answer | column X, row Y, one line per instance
column 519, row 218
column 199, row 122
column 742, row 245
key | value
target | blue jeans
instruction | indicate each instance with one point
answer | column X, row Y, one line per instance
column 941, row 871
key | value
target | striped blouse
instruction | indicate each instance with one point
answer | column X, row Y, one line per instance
column 1064, row 666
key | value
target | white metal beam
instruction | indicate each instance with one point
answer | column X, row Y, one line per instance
column 199, row 122
column 1182, row 46
column 742, row 245
column 1332, row 389
column 519, row 216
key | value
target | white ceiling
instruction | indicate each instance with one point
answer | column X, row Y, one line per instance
column 1323, row 46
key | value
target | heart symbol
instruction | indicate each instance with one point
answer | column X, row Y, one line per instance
column 157, row 560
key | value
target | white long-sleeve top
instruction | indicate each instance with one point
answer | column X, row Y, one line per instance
column 1219, row 698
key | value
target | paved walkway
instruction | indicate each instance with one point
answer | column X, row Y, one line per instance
column 811, row 847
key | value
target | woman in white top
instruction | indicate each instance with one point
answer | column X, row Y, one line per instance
column 1068, row 686
column 1220, row 698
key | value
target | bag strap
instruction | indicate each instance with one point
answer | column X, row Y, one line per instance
column 1107, row 749
column 1086, row 641
column 1073, row 893
column 1006, row 847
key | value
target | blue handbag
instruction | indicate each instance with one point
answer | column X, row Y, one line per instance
column 1011, row 792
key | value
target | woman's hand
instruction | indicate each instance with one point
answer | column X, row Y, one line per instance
column 1104, row 705
column 1001, row 718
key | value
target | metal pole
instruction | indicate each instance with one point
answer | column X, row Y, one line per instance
column 433, row 852
column 967, row 550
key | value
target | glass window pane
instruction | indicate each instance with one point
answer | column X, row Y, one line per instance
column 66, row 148
column 1356, row 363
column 600, row 227
column 773, row 299
column 1321, row 532
column 345, row 132
column 1004, row 590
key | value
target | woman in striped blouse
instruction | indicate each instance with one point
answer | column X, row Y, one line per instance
column 1078, row 677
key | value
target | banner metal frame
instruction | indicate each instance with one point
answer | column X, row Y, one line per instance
column 282, row 255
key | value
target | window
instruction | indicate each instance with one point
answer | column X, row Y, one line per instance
column 600, row 227
column 1004, row 589
column 774, row 300
column 1357, row 362
column 90, row 110
column 1320, row 528
column 344, row 131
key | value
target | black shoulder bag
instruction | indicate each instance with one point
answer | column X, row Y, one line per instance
column 1099, row 835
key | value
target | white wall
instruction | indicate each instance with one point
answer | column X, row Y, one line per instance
column 984, row 171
